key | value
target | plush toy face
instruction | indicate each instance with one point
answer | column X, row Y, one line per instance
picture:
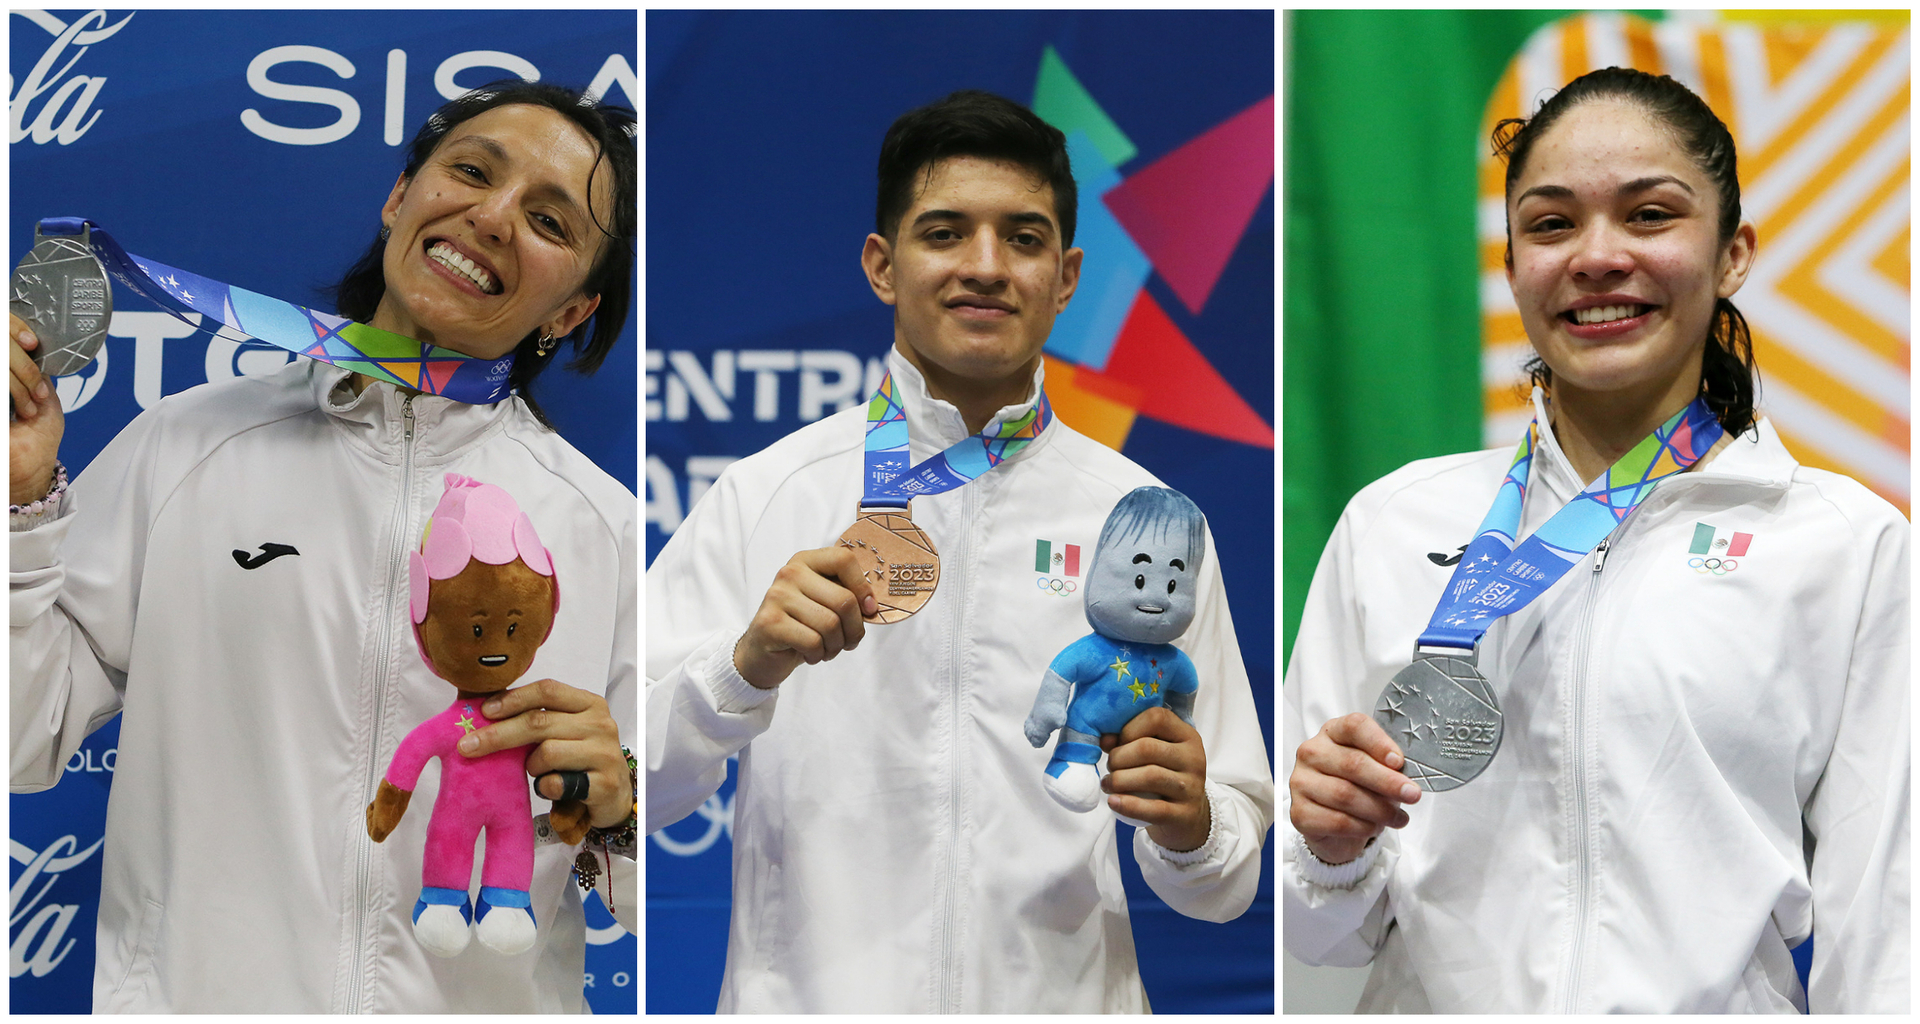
column 1141, row 587
column 484, row 624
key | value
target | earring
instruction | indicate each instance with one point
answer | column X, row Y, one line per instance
column 546, row 343
column 384, row 232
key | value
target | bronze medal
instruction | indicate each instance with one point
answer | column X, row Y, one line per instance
column 898, row 560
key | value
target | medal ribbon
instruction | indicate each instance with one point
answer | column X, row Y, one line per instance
column 1495, row 578
column 890, row 483
column 250, row 316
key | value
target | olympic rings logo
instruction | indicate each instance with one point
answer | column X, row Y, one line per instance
column 1055, row 585
column 1716, row 566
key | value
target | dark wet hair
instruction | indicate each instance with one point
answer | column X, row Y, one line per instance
column 979, row 124
column 1727, row 371
column 1156, row 510
column 612, row 129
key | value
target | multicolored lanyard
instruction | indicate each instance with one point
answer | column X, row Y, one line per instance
column 891, row 484
column 1495, row 578
column 251, row 316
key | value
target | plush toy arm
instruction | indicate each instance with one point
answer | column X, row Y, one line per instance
column 1181, row 704
column 1049, row 708
column 388, row 806
column 570, row 819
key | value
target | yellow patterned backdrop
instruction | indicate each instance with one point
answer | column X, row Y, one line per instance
column 1819, row 113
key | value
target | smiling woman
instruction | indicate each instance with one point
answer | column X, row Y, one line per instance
column 1706, row 724
column 273, row 690
column 517, row 236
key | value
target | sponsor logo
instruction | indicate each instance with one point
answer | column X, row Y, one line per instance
column 41, row 943
column 1442, row 558
column 65, row 111
column 268, row 552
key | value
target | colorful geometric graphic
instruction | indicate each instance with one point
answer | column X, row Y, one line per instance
column 1495, row 577
column 887, row 456
column 1115, row 354
column 1819, row 114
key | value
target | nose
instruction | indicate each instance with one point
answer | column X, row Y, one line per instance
column 1602, row 250
column 492, row 215
column 984, row 263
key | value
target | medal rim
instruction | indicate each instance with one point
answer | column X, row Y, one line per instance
column 59, row 354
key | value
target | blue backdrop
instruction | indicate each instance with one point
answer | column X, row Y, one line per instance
column 763, row 129
column 254, row 148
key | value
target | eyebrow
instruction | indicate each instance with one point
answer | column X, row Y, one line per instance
column 1017, row 218
column 1635, row 186
column 1143, row 557
column 1178, row 564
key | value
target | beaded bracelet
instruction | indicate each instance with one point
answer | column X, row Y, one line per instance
column 52, row 498
column 621, row 838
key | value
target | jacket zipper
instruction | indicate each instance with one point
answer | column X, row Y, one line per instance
column 1577, row 744
column 949, row 972
column 396, row 567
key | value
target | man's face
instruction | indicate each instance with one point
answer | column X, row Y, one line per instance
column 975, row 272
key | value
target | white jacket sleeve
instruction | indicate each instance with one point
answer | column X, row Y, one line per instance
column 1218, row 881
column 72, row 594
column 1325, row 925
column 1858, row 812
column 699, row 710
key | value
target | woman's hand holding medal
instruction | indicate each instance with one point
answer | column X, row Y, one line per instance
column 1347, row 788
column 33, row 435
column 811, row 613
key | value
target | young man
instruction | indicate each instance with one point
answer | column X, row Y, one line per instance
column 895, row 848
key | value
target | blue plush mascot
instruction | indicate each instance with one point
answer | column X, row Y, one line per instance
column 1139, row 595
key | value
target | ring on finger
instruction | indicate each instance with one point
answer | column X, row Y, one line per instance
column 573, row 785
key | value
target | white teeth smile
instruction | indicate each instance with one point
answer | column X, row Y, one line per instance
column 1605, row 314
column 449, row 257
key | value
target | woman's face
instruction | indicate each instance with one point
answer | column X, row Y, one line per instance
column 1616, row 258
column 493, row 238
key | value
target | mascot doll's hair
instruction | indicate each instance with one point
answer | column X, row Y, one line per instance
column 473, row 521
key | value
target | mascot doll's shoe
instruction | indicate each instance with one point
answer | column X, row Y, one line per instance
column 506, row 920
column 1074, row 785
column 440, row 920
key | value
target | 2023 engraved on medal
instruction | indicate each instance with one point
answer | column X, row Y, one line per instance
column 1445, row 718
column 898, row 561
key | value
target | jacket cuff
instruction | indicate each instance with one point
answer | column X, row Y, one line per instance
column 1315, row 871
column 44, row 511
column 732, row 694
column 1205, row 851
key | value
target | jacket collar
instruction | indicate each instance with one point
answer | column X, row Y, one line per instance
column 934, row 424
column 1755, row 458
column 376, row 417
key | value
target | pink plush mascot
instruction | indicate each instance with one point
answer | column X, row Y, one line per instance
column 483, row 600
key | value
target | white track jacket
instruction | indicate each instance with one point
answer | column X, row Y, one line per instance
column 894, row 849
column 260, row 707
column 1700, row 768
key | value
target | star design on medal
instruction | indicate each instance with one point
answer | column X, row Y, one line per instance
column 1392, row 708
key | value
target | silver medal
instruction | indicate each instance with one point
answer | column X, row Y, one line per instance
column 1445, row 718
column 61, row 291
